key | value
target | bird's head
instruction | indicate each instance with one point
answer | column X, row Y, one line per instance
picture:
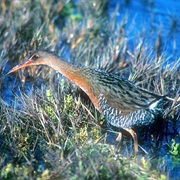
column 37, row 58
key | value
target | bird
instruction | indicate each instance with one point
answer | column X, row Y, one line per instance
column 123, row 104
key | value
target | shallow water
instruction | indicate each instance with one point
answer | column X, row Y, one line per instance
column 151, row 18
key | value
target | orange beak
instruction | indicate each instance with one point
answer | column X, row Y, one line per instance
column 20, row 66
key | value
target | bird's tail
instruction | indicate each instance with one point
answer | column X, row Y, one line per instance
column 158, row 107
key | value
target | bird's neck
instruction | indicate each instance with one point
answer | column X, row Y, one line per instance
column 70, row 71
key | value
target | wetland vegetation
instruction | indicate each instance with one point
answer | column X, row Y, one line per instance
column 49, row 129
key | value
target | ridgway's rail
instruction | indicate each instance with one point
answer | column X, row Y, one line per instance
column 123, row 104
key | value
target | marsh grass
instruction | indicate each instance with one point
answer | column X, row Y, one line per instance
column 53, row 131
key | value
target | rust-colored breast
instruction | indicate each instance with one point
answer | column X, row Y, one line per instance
column 86, row 85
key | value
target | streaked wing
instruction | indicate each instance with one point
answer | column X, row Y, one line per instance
column 123, row 95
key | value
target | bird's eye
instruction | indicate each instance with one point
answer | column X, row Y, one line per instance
column 34, row 57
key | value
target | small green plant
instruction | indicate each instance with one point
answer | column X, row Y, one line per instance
column 45, row 175
column 95, row 133
column 104, row 173
column 7, row 171
column 48, row 108
column 69, row 11
column 175, row 152
column 49, row 95
column 144, row 163
column 175, row 149
column 81, row 135
column 68, row 102
column 162, row 177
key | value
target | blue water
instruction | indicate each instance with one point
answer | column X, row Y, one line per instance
column 148, row 19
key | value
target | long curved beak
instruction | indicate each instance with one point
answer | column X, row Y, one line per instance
column 20, row 66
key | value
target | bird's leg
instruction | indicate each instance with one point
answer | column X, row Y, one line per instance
column 134, row 136
column 119, row 137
